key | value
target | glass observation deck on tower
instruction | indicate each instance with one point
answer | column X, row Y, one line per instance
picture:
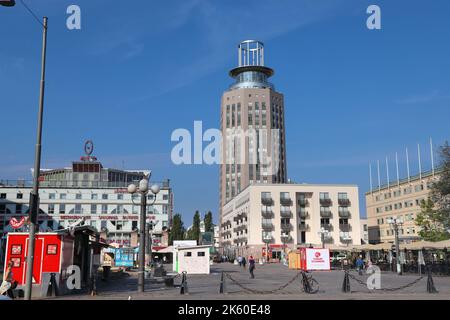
column 251, row 72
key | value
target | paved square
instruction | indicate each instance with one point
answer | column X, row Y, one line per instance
column 267, row 277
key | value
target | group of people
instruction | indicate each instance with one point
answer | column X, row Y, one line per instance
column 251, row 264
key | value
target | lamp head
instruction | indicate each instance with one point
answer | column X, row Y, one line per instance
column 155, row 189
column 132, row 188
column 143, row 185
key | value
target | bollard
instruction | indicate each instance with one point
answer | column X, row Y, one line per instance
column 223, row 287
column 94, row 286
column 184, row 286
column 52, row 288
column 430, row 283
column 346, row 283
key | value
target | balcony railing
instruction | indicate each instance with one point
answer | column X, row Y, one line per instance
column 325, row 202
column 345, row 227
column 328, row 239
column 285, row 238
column 345, row 237
column 240, row 228
column 344, row 214
column 303, row 227
column 267, row 201
column 286, row 226
column 302, row 202
column 326, row 226
column 285, row 213
column 325, row 214
column 285, row 200
column 344, row 202
column 267, row 239
column 267, row 226
column 303, row 214
column 267, row 213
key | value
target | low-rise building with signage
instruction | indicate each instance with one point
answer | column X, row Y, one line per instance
column 88, row 191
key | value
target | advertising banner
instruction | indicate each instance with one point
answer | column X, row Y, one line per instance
column 317, row 259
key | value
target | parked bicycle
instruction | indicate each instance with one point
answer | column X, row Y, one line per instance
column 309, row 284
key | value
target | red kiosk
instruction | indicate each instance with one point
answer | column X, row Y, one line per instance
column 55, row 252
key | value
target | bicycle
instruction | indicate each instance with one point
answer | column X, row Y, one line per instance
column 309, row 284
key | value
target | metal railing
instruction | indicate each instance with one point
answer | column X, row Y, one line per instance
column 285, row 213
column 267, row 226
column 285, row 200
column 325, row 201
column 268, row 201
column 344, row 202
column 267, row 213
column 325, row 214
column 303, row 227
column 344, row 214
column 286, row 226
column 303, row 214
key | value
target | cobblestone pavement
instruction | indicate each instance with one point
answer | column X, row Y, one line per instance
column 267, row 277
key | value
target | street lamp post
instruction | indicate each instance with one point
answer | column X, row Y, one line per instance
column 143, row 190
column 395, row 223
column 149, row 243
column 323, row 233
column 34, row 196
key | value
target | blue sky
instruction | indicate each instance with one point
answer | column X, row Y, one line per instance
column 138, row 70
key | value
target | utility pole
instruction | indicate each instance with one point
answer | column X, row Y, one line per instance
column 34, row 196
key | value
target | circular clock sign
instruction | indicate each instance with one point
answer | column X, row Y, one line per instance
column 89, row 147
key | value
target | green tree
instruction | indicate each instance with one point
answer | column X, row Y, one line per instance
column 434, row 218
column 208, row 222
column 177, row 231
column 194, row 232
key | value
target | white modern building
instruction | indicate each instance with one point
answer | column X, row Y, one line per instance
column 278, row 217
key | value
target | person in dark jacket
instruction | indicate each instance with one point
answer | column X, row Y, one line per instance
column 244, row 262
column 360, row 265
column 251, row 266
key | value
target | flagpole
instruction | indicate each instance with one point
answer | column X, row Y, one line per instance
column 396, row 165
column 379, row 178
column 407, row 166
column 432, row 156
column 420, row 162
column 387, row 173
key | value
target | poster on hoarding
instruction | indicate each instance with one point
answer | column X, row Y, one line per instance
column 317, row 259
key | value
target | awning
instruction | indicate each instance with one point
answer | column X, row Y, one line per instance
column 168, row 249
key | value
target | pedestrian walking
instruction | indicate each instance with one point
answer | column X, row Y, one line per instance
column 8, row 284
column 360, row 265
column 244, row 262
column 251, row 266
column 240, row 261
